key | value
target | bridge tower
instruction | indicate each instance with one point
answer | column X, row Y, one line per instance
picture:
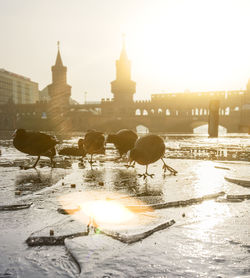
column 123, row 88
column 59, row 91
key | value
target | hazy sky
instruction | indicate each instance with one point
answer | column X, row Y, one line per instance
column 174, row 45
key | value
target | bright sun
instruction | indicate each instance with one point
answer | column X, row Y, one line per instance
column 195, row 44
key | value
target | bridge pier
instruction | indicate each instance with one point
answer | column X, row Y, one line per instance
column 213, row 120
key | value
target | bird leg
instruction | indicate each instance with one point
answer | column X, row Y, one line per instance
column 146, row 174
column 91, row 162
column 170, row 169
column 30, row 167
column 34, row 166
column 52, row 162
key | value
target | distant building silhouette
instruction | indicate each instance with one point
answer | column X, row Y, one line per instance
column 123, row 88
column 17, row 88
column 59, row 91
column 44, row 95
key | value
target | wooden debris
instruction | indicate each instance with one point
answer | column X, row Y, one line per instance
column 223, row 168
column 234, row 198
column 52, row 240
column 15, row 207
column 136, row 237
column 239, row 197
column 56, row 233
column 73, row 185
column 183, row 203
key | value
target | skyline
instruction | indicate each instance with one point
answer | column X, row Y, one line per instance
column 205, row 46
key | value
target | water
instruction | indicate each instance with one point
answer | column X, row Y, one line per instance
column 210, row 239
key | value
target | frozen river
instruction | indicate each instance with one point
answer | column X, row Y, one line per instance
column 209, row 238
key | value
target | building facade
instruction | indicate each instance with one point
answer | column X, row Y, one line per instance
column 17, row 88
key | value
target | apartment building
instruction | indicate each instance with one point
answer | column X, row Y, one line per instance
column 17, row 88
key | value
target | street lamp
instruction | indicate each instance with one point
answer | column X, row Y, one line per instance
column 85, row 97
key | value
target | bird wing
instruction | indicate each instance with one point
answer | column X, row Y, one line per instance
column 151, row 148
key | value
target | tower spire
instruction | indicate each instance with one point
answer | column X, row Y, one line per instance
column 123, row 88
column 123, row 52
column 59, row 90
column 59, row 62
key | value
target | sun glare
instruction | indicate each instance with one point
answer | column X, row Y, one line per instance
column 193, row 44
column 105, row 209
column 106, row 212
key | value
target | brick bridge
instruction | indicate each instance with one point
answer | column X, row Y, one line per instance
column 175, row 112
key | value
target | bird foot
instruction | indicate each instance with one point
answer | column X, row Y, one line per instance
column 92, row 163
column 170, row 169
column 128, row 166
column 145, row 175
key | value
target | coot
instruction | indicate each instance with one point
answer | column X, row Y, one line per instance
column 94, row 143
column 147, row 150
column 124, row 140
column 35, row 143
column 74, row 151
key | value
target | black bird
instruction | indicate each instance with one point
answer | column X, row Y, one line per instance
column 74, row 151
column 147, row 150
column 124, row 140
column 94, row 143
column 35, row 143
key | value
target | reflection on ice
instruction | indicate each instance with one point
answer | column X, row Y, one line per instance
column 208, row 180
column 106, row 208
column 33, row 180
column 107, row 211
column 209, row 214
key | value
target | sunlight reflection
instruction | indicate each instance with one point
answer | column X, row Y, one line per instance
column 106, row 209
column 209, row 179
column 209, row 213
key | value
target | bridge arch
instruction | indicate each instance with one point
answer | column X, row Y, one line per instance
column 202, row 127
